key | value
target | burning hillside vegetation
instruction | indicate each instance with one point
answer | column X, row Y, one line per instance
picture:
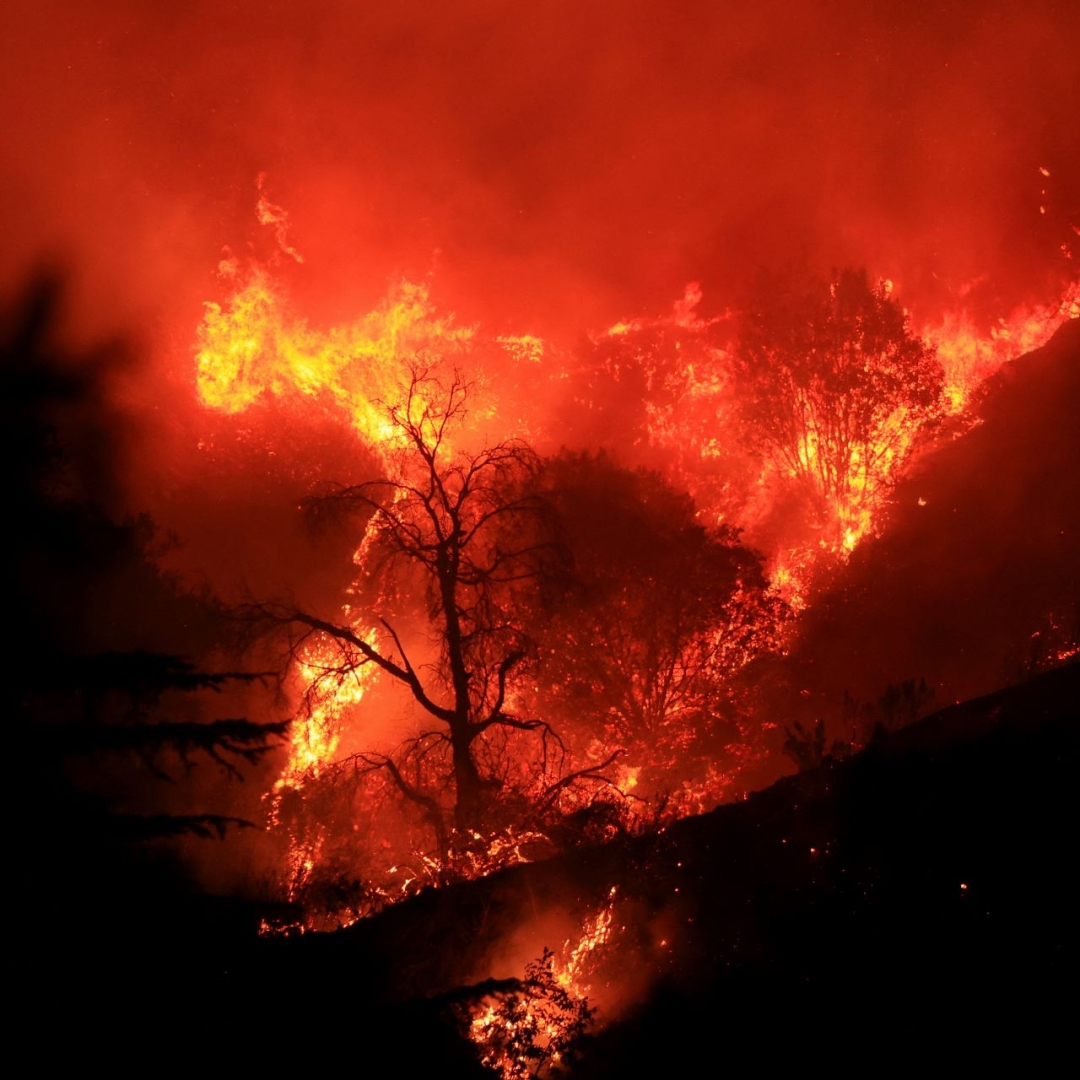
column 570, row 636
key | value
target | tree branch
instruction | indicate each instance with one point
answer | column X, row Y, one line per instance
column 406, row 675
column 593, row 772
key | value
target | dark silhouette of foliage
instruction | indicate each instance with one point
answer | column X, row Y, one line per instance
column 901, row 704
column 805, row 744
column 905, row 702
column 652, row 618
column 94, row 719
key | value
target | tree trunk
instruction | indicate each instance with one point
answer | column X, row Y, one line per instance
column 468, row 785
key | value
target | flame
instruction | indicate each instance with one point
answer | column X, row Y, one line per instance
column 525, row 1035
column 328, row 692
column 579, row 960
column 970, row 356
column 692, row 418
column 315, row 738
column 253, row 345
column 789, row 576
column 277, row 218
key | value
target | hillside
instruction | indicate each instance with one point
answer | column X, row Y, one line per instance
column 913, row 899
column 975, row 579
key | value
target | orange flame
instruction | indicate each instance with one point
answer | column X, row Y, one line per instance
column 252, row 346
column 316, row 735
column 534, row 1033
column 970, row 356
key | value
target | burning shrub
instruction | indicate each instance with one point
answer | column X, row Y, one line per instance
column 531, row 1029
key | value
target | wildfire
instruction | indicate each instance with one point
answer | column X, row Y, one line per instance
column 253, row 345
column 328, row 692
column 693, row 400
column 750, row 427
column 580, row 961
column 789, row 579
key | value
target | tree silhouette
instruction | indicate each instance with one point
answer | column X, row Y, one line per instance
column 464, row 530
column 97, row 723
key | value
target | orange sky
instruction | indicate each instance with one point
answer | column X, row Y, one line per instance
column 562, row 164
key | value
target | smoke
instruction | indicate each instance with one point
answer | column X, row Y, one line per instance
column 558, row 167
column 569, row 163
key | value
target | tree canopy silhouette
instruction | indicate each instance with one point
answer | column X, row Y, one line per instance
column 97, row 722
column 653, row 619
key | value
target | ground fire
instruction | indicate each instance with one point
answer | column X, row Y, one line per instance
column 603, row 481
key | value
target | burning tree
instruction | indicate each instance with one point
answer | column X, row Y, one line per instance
column 834, row 387
column 465, row 531
column 655, row 618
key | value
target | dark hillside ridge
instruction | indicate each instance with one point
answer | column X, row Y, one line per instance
column 980, row 555
column 937, row 916
column 913, row 900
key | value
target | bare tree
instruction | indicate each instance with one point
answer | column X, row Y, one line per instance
column 467, row 529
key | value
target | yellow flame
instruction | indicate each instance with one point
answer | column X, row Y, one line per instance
column 254, row 346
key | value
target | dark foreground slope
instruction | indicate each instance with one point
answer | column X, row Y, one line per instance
column 912, row 902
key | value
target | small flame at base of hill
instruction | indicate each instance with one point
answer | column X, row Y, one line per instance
column 531, row 1030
